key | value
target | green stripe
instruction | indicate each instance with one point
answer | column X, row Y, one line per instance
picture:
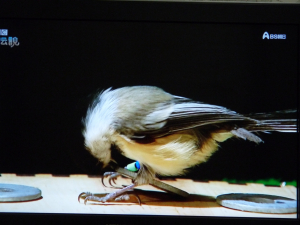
column 270, row 181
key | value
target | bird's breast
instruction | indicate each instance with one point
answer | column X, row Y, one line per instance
column 170, row 155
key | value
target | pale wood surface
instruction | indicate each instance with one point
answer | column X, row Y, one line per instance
column 59, row 195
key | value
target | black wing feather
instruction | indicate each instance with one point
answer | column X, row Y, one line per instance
column 188, row 114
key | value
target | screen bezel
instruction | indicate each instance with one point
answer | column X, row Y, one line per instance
column 195, row 12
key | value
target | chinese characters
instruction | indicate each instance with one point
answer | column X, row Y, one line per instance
column 9, row 41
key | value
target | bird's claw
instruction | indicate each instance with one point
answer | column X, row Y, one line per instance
column 112, row 177
column 126, row 197
column 84, row 193
column 91, row 197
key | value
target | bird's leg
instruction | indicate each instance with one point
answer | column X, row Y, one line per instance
column 117, row 195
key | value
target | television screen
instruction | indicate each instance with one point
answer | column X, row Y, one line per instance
column 57, row 56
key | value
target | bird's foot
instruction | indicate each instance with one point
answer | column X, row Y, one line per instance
column 116, row 196
column 112, row 178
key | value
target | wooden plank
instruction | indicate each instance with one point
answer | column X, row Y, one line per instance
column 59, row 195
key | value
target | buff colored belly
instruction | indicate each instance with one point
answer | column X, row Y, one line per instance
column 169, row 155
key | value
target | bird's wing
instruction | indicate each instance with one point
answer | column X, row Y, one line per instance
column 141, row 109
column 188, row 114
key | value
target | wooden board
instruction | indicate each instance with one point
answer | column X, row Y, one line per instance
column 59, row 195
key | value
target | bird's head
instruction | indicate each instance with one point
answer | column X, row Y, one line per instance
column 98, row 126
column 100, row 148
column 97, row 138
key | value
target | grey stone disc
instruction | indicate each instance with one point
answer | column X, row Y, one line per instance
column 17, row 193
column 258, row 203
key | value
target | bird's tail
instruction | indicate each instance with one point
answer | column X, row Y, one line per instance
column 282, row 121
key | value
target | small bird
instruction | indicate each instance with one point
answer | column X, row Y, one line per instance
column 167, row 134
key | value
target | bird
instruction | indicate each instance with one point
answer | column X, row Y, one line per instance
column 165, row 133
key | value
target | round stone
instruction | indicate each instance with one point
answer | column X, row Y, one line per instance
column 17, row 193
column 258, row 203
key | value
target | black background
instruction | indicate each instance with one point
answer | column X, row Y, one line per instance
column 48, row 81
